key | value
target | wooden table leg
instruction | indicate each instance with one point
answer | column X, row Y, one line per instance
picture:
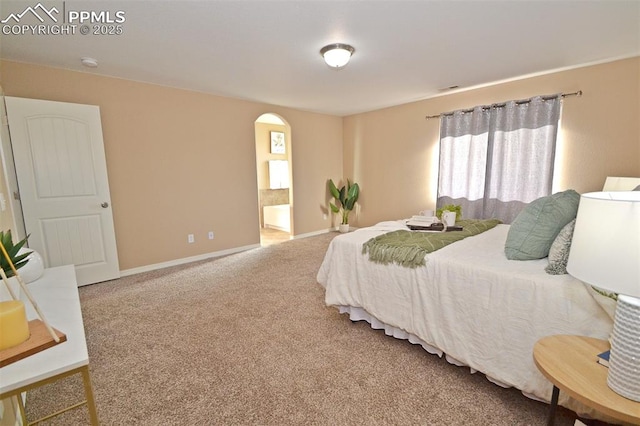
column 554, row 405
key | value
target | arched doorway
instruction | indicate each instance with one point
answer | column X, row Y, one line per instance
column 275, row 194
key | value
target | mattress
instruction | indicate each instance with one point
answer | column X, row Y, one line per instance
column 468, row 302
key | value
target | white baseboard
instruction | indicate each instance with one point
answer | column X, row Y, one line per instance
column 313, row 234
column 176, row 262
column 153, row 267
column 337, row 228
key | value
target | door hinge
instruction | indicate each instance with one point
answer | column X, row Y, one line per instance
column 16, row 195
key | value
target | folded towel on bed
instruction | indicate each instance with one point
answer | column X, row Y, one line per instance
column 428, row 219
column 409, row 248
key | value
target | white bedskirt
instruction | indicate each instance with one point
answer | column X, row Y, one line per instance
column 468, row 302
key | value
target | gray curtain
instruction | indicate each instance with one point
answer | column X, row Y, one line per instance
column 496, row 159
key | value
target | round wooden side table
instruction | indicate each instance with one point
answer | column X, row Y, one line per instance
column 570, row 363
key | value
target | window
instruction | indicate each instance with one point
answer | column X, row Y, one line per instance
column 496, row 159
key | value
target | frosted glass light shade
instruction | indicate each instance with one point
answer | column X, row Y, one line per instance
column 337, row 55
column 605, row 249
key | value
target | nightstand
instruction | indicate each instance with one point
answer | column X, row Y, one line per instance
column 569, row 362
column 57, row 294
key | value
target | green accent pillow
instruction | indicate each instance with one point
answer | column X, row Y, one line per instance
column 536, row 227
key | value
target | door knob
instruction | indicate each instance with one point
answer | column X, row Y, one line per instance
column 104, row 205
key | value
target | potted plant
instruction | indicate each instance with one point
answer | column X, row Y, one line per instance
column 346, row 198
column 18, row 259
column 452, row 208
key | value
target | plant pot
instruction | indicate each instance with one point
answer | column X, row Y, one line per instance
column 343, row 228
column 34, row 268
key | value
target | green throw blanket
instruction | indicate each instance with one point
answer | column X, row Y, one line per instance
column 409, row 248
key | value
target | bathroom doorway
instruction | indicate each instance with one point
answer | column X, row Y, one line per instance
column 273, row 163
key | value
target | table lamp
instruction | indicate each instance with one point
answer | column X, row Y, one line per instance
column 605, row 253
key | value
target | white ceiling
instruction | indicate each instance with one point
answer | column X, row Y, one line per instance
column 268, row 51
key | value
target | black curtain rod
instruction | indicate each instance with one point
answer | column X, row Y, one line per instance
column 564, row 95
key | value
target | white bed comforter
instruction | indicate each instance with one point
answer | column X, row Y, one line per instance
column 468, row 301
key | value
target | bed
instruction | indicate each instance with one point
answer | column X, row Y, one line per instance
column 468, row 302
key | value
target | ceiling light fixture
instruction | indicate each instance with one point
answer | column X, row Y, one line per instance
column 89, row 62
column 337, row 55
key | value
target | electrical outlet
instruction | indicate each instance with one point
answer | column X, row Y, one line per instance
column 324, row 216
column 190, row 238
column 211, row 235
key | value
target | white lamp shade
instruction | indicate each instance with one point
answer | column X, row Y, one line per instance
column 605, row 249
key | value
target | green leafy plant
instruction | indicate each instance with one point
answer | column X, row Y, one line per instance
column 18, row 260
column 452, row 208
column 345, row 197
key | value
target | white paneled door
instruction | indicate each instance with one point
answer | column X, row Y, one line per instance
column 62, row 177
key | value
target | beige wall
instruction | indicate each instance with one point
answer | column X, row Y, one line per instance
column 182, row 162
column 392, row 153
column 7, row 220
column 6, row 217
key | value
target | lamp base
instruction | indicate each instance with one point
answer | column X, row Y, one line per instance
column 624, row 363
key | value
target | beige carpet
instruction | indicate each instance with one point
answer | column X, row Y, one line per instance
column 247, row 339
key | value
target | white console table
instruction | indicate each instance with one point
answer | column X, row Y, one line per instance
column 56, row 293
